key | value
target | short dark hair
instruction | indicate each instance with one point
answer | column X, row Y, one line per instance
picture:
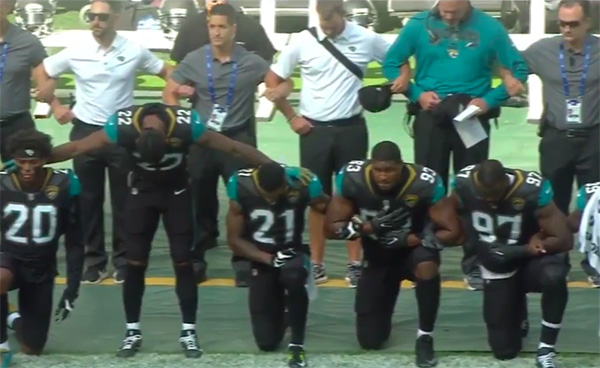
column 327, row 8
column 225, row 10
column 586, row 6
column 30, row 139
column 271, row 176
column 490, row 173
column 114, row 5
column 386, row 151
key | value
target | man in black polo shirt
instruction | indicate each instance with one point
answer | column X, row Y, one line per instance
column 193, row 34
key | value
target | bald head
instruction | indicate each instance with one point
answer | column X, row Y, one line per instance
column 453, row 11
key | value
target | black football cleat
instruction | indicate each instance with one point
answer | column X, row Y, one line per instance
column 425, row 355
column 131, row 344
column 297, row 357
column 189, row 344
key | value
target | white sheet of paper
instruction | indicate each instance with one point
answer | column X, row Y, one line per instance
column 42, row 110
column 469, row 127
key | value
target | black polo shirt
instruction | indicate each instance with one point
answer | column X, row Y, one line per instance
column 193, row 34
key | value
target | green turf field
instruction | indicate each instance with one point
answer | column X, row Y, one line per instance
column 91, row 336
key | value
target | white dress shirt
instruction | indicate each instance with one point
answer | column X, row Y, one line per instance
column 329, row 90
column 104, row 78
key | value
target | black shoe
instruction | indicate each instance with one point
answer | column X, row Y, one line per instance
column 189, row 344
column 425, row 355
column 94, row 275
column 119, row 275
column 297, row 357
column 131, row 344
column 242, row 272
column 200, row 268
column 546, row 358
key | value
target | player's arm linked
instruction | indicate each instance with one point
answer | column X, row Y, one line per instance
column 557, row 236
column 78, row 147
column 444, row 215
column 320, row 204
column 235, row 236
column 246, row 152
column 340, row 221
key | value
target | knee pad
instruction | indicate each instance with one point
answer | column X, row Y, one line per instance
column 553, row 275
column 293, row 278
column 506, row 355
column 181, row 253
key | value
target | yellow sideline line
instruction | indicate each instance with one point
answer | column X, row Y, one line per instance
column 337, row 283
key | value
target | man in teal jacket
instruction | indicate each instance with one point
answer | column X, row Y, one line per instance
column 456, row 48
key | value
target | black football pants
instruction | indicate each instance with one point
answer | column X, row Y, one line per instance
column 10, row 126
column 91, row 170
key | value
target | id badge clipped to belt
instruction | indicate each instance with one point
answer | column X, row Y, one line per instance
column 217, row 118
column 574, row 111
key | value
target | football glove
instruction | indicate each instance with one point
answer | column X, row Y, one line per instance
column 387, row 220
column 9, row 166
column 428, row 238
column 65, row 306
column 352, row 229
column 282, row 257
column 395, row 238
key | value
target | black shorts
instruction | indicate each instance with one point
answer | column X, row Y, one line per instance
column 331, row 145
column 143, row 212
column 35, row 291
column 266, row 298
column 503, row 300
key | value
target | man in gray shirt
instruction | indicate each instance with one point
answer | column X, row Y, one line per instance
column 224, row 77
column 20, row 51
column 569, row 67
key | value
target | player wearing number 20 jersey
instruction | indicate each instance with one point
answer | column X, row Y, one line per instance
column 265, row 223
column 397, row 209
column 158, row 137
column 39, row 205
column 521, row 240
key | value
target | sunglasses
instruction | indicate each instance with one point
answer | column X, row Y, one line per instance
column 572, row 24
column 103, row 17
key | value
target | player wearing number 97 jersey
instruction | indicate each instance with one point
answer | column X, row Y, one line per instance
column 265, row 224
column 39, row 205
column 398, row 210
column 521, row 240
column 584, row 195
column 158, row 138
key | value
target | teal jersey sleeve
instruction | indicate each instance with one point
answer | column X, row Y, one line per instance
column 452, row 183
column 74, row 184
column 111, row 128
column 315, row 188
column 439, row 191
column 546, row 194
column 198, row 128
column 339, row 182
column 581, row 201
column 232, row 187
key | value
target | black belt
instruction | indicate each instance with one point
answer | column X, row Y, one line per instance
column 12, row 118
column 353, row 120
column 579, row 132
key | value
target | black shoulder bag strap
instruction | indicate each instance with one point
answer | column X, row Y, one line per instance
column 337, row 54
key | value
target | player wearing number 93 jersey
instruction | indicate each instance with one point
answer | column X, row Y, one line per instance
column 521, row 240
column 265, row 224
column 584, row 195
column 158, row 138
column 39, row 205
column 398, row 211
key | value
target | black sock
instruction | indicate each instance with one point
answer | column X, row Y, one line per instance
column 3, row 317
column 187, row 292
column 428, row 300
column 297, row 303
column 554, row 302
column 133, row 292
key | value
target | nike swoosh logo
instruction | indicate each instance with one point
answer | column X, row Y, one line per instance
column 178, row 192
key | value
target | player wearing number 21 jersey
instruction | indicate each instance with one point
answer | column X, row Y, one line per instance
column 265, row 224
column 398, row 211
column 584, row 195
column 39, row 205
column 158, row 138
column 521, row 240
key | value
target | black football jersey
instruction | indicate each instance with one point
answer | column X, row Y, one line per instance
column 513, row 220
column 274, row 226
column 184, row 128
column 585, row 193
column 420, row 187
column 32, row 223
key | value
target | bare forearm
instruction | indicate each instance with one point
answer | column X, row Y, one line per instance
column 250, row 251
column 170, row 98
column 448, row 237
column 63, row 152
column 250, row 154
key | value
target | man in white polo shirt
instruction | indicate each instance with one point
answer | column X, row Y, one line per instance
column 330, row 123
column 105, row 66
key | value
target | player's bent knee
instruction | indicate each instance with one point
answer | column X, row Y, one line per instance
column 35, row 348
column 370, row 336
column 426, row 270
column 181, row 254
column 505, row 354
column 554, row 275
column 293, row 278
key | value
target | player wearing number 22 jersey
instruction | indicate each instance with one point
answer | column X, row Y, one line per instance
column 398, row 211
column 158, row 138
column 521, row 240
column 39, row 205
column 265, row 224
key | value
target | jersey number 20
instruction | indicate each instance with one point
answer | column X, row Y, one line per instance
column 37, row 219
column 268, row 220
